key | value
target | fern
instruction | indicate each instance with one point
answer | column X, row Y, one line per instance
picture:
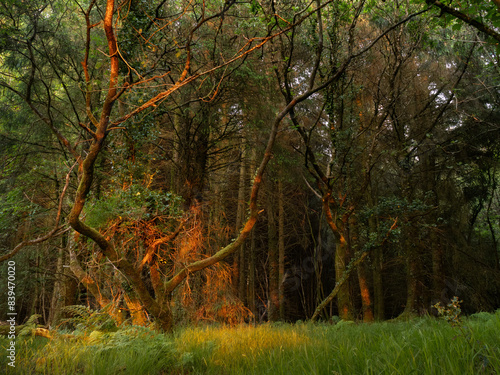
column 85, row 319
column 78, row 311
column 30, row 325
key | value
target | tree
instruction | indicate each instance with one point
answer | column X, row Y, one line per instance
column 151, row 129
column 479, row 14
column 96, row 115
column 335, row 176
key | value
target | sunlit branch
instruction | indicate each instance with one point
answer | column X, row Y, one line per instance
column 90, row 26
column 243, row 52
column 151, row 248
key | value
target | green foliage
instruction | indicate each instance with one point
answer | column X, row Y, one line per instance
column 392, row 214
column 255, row 7
column 134, row 350
column 84, row 319
column 395, row 207
column 484, row 12
column 135, row 203
column 421, row 346
column 30, row 325
column 450, row 313
column 13, row 208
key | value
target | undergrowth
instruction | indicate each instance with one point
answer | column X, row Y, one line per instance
column 421, row 346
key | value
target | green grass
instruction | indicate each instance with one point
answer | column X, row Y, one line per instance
column 421, row 346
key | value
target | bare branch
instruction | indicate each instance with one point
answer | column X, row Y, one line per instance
column 57, row 231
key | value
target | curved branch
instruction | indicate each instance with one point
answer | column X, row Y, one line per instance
column 47, row 120
column 345, row 276
column 469, row 20
column 151, row 249
column 57, row 231
column 254, row 211
column 84, row 63
column 53, row 233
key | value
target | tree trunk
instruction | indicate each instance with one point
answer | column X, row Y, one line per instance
column 136, row 310
column 363, row 278
column 33, row 309
column 239, row 257
column 57, row 294
column 438, row 276
column 251, row 276
column 414, row 295
column 273, row 253
column 342, row 257
column 242, row 279
column 364, row 287
column 174, row 173
column 281, row 257
column 70, row 288
column 344, row 298
column 378, row 285
column 253, row 247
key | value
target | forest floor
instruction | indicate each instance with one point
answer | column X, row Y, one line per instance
column 420, row 346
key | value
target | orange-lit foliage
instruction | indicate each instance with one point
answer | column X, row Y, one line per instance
column 190, row 243
column 219, row 302
column 134, row 238
column 208, row 295
column 204, row 296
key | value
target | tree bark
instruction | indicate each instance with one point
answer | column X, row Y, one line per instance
column 273, row 254
column 366, row 299
column 342, row 257
column 363, row 278
column 414, row 292
column 240, row 258
column 91, row 285
column 378, row 284
column 57, row 301
column 438, row 275
column 339, row 285
column 136, row 310
column 253, row 247
column 281, row 255
column 251, row 276
column 344, row 298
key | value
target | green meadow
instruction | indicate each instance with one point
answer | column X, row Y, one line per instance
column 419, row 346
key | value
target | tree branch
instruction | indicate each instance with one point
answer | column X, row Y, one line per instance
column 469, row 20
column 57, row 231
column 345, row 276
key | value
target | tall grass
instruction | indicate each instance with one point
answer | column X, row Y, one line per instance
column 421, row 346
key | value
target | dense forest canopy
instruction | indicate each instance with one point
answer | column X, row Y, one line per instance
column 185, row 161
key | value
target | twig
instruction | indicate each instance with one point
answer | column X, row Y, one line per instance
column 57, row 231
